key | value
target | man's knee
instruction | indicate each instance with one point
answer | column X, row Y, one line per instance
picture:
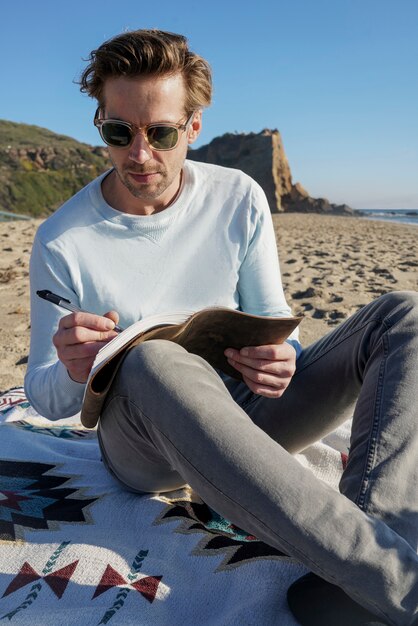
column 405, row 302
column 155, row 349
column 150, row 357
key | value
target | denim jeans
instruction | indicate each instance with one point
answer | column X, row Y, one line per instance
column 171, row 419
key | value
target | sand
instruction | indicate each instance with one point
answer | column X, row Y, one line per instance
column 331, row 266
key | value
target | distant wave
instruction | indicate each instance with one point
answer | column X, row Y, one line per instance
column 402, row 216
column 7, row 215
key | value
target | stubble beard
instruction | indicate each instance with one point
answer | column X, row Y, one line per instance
column 143, row 191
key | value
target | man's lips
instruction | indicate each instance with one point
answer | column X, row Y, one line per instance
column 144, row 177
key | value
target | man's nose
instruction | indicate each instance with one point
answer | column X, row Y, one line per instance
column 139, row 150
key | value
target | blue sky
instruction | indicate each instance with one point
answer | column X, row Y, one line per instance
column 338, row 78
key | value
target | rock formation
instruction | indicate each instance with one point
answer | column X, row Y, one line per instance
column 39, row 169
column 262, row 156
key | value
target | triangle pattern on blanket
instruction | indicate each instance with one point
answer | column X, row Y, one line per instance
column 111, row 578
column 59, row 579
column 25, row 576
column 148, row 586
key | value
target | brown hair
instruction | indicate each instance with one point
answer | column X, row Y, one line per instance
column 151, row 52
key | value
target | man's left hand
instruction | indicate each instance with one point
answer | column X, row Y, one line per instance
column 267, row 370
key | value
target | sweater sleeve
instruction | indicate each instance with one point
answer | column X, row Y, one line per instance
column 260, row 285
column 48, row 386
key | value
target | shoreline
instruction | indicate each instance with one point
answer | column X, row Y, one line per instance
column 388, row 220
column 330, row 265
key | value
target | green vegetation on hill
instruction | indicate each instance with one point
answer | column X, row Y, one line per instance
column 39, row 170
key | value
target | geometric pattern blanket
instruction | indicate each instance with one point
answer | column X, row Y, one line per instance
column 77, row 550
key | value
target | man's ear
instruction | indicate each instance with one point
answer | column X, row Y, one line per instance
column 195, row 127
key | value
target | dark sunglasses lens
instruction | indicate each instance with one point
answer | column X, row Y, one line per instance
column 115, row 134
column 162, row 137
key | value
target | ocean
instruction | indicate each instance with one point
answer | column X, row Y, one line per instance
column 403, row 216
column 6, row 215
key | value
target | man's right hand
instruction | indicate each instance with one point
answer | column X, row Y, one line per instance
column 79, row 338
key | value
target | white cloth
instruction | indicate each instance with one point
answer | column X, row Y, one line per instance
column 78, row 549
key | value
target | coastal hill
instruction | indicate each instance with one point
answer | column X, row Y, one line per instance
column 40, row 169
column 262, row 156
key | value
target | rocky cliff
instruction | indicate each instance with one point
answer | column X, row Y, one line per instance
column 39, row 169
column 262, row 156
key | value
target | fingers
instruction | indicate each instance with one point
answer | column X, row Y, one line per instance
column 79, row 334
column 258, row 376
column 88, row 320
column 283, row 368
column 267, row 370
column 274, row 352
column 112, row 315
column 79, row 338
column 264, row 384
column 79, row 369
column 265, row 391
column 80, row 328
column 86, row 350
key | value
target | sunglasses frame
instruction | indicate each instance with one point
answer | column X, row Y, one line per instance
column 134, row 130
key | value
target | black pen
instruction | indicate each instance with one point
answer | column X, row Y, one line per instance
column 65, row 304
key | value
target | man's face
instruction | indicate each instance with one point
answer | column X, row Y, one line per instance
column 147, row 179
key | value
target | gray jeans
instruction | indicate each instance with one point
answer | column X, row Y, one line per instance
column 170, row 419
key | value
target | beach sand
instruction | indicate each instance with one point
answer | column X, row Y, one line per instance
column 331, row 266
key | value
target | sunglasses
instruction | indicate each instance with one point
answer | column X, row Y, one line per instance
column 119, row 134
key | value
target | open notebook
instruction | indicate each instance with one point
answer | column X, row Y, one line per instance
column 207, row 333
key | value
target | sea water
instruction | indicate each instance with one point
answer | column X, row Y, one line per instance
column 6, row 215
column 403, row 216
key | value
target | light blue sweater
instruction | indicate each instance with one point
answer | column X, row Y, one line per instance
column 215, row 246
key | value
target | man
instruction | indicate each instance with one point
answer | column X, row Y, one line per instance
column 160, row 233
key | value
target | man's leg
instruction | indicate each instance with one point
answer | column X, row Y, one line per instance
column 368, row 368
column 173, row 409
column 377, row 359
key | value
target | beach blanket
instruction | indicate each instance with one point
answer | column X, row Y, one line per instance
column 78, row 550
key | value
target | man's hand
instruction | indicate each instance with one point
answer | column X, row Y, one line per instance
column 79, row 338
column 267, row 370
